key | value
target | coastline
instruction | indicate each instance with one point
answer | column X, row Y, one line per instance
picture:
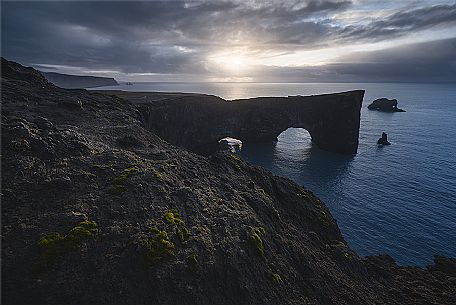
column 252, row 236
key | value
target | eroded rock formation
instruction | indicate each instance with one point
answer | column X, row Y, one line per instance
column 199, row 121
column 383, row 140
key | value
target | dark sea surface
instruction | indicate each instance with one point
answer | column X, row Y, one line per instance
column 398, row 199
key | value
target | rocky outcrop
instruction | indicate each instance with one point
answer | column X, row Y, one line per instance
column 97, row 209
column 78, row 81
column 230, row 144
column 199, row 121
column 383, row 139
column 385, row 105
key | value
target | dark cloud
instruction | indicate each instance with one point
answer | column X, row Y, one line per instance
column 433, row 61
column 175, row 37
column 407, row 21
column 142, row 34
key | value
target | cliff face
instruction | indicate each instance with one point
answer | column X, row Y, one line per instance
column 77, row 81
column 97, row 209
column 198, row 121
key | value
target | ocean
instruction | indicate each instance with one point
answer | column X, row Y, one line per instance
column 398, row 199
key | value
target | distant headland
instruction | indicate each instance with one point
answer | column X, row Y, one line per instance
column 68, row 81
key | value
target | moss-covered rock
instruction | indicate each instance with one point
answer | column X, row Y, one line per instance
column 256, row 240
column 54, row 245
column 157, row 247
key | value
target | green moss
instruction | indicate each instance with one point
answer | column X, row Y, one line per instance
column 348, row 256
column 341, row 244
column 157, row 247
column 173, row 217
column 50, row 240
column 235, row 160
column 157, row 175
column 256, row 240
column 118, row 183
column 55, row 245
column 217, row 200
column 276, row 278
column 88, row 174
column 83, row 230
column 104, row 166
column 192, row 260
column 89, row 225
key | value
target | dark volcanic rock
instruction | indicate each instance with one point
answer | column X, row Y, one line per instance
column 383, row 140
column 89, row 200
column 198, row 121
column 384, row 104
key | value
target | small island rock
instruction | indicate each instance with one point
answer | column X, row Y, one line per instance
column 384, row 104
column 383, row 140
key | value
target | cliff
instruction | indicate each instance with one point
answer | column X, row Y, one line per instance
column 77, row 81
column 97, row 209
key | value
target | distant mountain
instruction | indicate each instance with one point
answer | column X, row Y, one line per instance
column 77, row 81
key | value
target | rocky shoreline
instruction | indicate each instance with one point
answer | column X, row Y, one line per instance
column 98, row 209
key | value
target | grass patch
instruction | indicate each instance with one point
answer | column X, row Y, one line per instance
column 256, row 240
column 348, row 256
column 276, row 278
column 236, row 161
column 157, row 247
column 192, row 260
column 157, row 175
column 55, row 245
column 118, row 183
column 217, row 200
column 88, row 174
column 104, row 166
column 173, row 217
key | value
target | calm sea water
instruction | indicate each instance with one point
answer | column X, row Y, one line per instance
column 399, row 199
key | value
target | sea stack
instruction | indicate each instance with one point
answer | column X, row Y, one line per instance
column 385, row 105
column 383, row 140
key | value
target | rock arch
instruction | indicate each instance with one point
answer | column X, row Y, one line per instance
column 195, row 121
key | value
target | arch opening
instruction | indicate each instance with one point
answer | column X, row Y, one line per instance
column 295, row 135
column 293, row 143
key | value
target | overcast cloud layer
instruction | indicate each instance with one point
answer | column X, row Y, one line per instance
column 295, row 41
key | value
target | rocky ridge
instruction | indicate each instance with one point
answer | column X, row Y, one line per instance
column 97, row 209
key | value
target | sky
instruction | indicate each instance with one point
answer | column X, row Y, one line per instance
column 236, row 40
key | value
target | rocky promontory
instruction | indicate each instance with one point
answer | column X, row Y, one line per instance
column 198, row 121
column 78, row 81
column 98, row 209
column 385, row 105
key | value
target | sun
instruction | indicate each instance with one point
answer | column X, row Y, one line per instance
column 232, row 63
